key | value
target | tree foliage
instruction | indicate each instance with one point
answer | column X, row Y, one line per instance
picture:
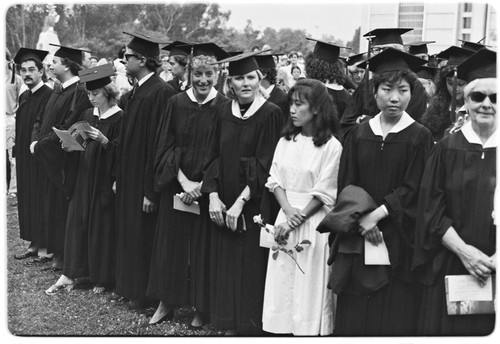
column 99, row 27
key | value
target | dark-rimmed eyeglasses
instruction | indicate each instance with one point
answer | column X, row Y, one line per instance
column 479, row 97
column 137, row 56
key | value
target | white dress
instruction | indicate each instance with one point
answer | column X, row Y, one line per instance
column 296, row 302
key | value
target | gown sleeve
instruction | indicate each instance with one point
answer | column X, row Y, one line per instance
column 401, row 203
column 325, row 188
column 157, row 111
column 256, row 168
column 275, row 179
column 211, row 166
column 167, row 160
column 432, row 219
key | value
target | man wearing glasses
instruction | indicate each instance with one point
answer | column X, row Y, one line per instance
column 136, row 198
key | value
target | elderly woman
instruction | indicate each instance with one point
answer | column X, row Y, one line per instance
column 384, row 156
column 456, row 234
column 179, row 273
column 242, row 145
column 89, row 247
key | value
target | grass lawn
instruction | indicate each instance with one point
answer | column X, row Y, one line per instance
column 79, row 312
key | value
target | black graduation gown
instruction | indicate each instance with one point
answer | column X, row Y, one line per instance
column 26, row 166
column 180, row 262
column 134, row 181
column 280, row 98
column 357, row 107
column 175, row 83
column 389, row 171
column 89, row 248
column 57, row 168
column 242, row 152
column 457, row 190
column 341, row 99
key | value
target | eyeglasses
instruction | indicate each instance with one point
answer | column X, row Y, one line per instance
column 479, row 97
column 127, row 56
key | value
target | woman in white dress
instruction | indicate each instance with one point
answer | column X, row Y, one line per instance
column 303, row 178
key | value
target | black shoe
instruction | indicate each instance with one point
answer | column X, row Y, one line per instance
column 26, row 254
column 41, row 259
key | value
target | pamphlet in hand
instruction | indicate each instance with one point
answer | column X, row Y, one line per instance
column 180, row 205
column 75, row 138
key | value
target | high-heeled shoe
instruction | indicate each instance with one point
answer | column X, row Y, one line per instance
column 162, row 314
column 199, row 319
column 55, row 288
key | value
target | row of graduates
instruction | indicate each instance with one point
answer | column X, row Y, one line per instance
column 197, row 143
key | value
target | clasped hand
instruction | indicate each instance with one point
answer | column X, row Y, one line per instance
column 478, row 264
column 282, row 232
column 369, row 229
column 192, row 191
column 294, row 217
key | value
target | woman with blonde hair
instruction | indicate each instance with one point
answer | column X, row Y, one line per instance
column 243, row 139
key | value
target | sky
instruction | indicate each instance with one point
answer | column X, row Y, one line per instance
column 337, row 18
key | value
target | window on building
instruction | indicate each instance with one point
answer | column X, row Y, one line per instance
column 467, row 7
column 467, row 23
column 466, row 37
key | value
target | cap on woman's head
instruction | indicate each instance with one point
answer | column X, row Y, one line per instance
column 355, row 59
column 418, row 47
column 72, row 54
column 384, row 36
column 242, row 64
column 391, row 60
column 97, row 77
column 482, row 64
column 30, row 54
column 144, row 44
column 206, row 49
column 174, row 49
column 326, row 51
column 455, row 55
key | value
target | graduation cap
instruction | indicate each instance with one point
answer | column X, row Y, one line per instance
column 174, row 48
column 265, row 61
column 455, row 55
column 387, row 35
column 391, row 60
column 326, row 51
column 72, row 54
column 483, row 64
column 472, row 45
column 243, row 63
column 207, row 49
column 144, row 44
column 234, row 53
column 419, row 47
column 354, row 59
column 97, row 77
column 426, row 72
column 30, row 54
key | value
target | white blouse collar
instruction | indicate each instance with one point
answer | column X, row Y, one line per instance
column 143, row 80
column 70, row 82
column 257, row 103
column 404, row 122
column 472, row 137
column 110, row 112
column 334, row 86
column 211, row 95
column 266, row 92
column 37, row 87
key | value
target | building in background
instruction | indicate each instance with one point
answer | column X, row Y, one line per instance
column 446, row 23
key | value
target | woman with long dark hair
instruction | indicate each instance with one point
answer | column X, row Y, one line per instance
column 303, row 178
